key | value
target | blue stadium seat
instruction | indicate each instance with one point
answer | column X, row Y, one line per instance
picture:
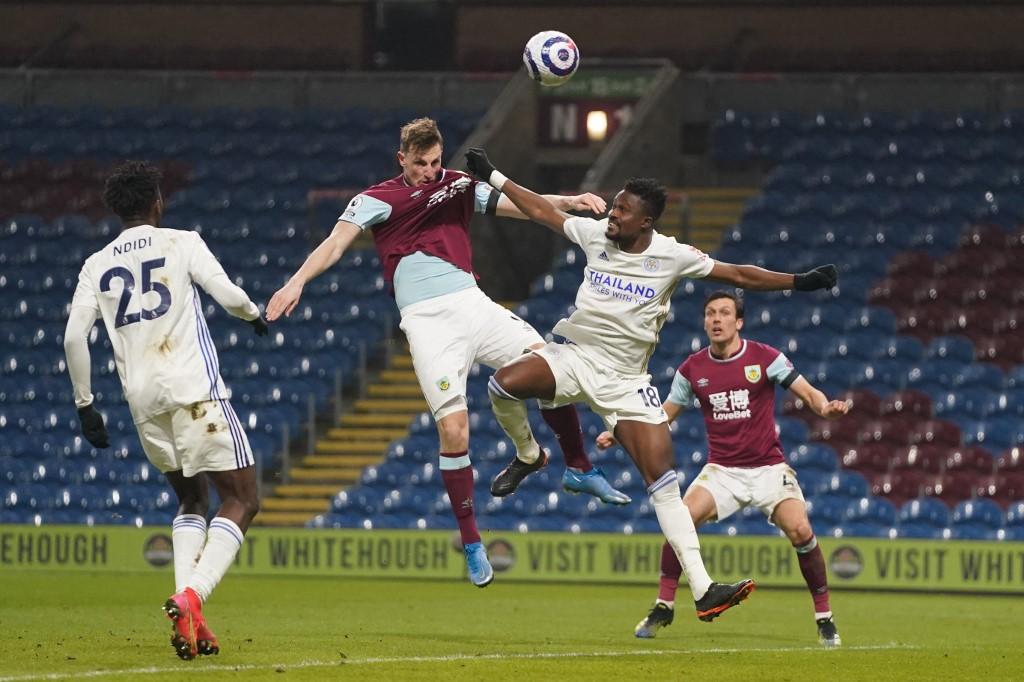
column 813, row 456
column 978, row 512
column 864, row 529
column 844, row 484
column 873, row 510
column 924, row 510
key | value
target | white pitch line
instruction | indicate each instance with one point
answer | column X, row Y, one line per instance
column 199, row 667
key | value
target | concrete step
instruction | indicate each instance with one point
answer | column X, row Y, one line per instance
column 401, row 361
column 282, row 518
column 717, row 207
column 324, row 475
column 311, row 490
column 398, row 376
column 720, row 193
column 287, row 504
column 357, row 462
column 375, row 420
column 406, row 406
column 394, row 391
column 701, row 220
column 366, row 433
column 352, row 447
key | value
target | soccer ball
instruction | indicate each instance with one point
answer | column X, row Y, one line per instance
column 551, row 58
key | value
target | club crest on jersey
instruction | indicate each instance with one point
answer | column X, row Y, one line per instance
column 651, row 264
column 444, row 384
column 753, row 373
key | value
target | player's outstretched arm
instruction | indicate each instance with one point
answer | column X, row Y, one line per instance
column 818, row 403
column 672, row 409
column 532, row 205
column 324, row 256
column 206, row 271
column 580, row 202
column 753, row 277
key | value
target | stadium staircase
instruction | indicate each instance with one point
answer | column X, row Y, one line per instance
column 360, row 439
column 699, row 215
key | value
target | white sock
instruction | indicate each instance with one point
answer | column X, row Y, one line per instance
column 188, row 535
column 670, row 604
column 223, row 541
column 511, row 414
column 819, row 616
column 676, row 524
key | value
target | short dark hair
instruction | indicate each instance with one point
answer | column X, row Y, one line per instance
column 132, row 189
column 715, row 295
column 651, row 192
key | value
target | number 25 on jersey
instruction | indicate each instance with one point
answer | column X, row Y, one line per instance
column 127, row 278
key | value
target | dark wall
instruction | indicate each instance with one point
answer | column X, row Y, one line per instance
column 475, row 35
column 183, row 35
column 763, row 36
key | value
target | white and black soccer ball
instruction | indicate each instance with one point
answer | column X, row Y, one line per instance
column 551, row 58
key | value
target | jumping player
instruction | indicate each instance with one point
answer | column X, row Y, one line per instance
column 734, row 381
column 143, row 285
column 420, row 224
column 622, row 303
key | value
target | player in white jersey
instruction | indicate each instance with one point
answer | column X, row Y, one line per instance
column 624, row 299
column 143, row 285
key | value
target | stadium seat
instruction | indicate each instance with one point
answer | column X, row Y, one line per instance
column 978, row 512
column 927, row 458
column 871, row 509
column 924, row 510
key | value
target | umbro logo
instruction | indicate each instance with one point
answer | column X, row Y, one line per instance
column 702, row 382
column 416, row 194
column 603, row 256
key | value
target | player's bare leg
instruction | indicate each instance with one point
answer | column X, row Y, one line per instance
column 457, row 473
column 650, row 446
column 791, row 516
column 239, row 504
column 702, row 509
column 531, row 374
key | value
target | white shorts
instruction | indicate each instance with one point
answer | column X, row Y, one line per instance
column 447, row 334
column 735, row 488
column 204, row 436
column 612, row 395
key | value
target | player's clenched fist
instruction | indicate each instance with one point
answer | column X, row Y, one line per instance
column 284, row 300
column 586, row 202
column 605, row 440
column 835, row 408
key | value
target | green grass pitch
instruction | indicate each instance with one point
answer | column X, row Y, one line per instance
column 103, row 626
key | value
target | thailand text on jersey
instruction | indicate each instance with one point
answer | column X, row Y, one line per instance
column 624, row 298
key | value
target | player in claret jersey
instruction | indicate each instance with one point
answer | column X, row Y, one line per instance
column 621, row 306
column 420, row 224
column 144, row 284
column 734, row 381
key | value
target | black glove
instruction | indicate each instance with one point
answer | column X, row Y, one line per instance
column 821, row 277
column 93, row 428
column 259, row 325
column 478, row 163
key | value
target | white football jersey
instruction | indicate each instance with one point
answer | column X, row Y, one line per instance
column 625, row 297
column 143, row 284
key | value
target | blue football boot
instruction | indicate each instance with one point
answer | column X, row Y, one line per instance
column 593, row 483
column 480, row 572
